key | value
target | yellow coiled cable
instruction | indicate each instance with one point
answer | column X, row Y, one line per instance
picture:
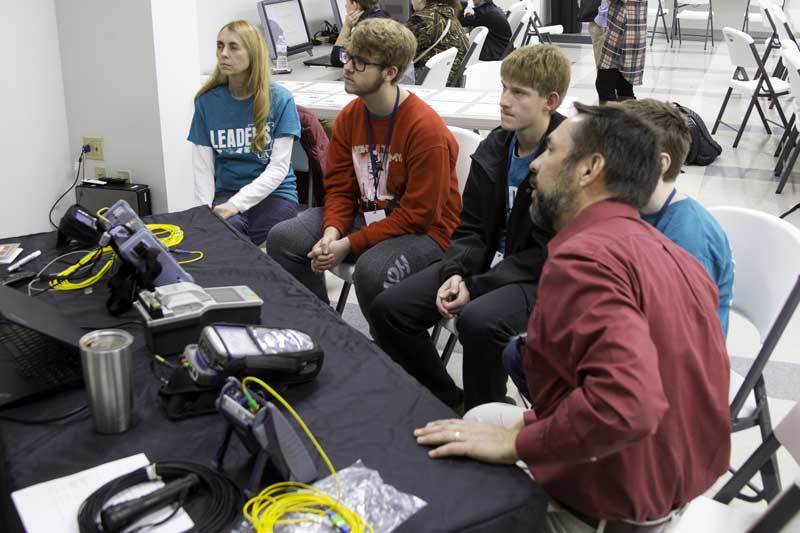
column 169, row 234
column 267, row 509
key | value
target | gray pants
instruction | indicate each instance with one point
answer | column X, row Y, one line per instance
column 383, row 265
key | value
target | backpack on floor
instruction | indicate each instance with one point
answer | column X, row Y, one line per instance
column 704, row 149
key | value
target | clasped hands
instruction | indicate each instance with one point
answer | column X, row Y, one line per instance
column 452, row 297
column 329, row 251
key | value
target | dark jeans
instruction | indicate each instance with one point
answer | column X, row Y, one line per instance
column 401, row 315
column 384, row 265
column 256, row 222
column 612, row 86
column 512, row 363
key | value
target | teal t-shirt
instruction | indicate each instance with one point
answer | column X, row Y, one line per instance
column 689, row 225
column 226, row 124
column 518, row 170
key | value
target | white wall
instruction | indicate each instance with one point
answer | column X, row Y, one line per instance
column 36, row 164
column 176, row 66
column 108, row 59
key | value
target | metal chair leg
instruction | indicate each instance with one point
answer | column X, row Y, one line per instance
column 787, row 171
column 753, row 102
column 722, row 110
column 343, row 298
column 448, row 348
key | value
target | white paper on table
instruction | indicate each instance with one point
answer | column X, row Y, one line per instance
column 52, row 506
column 323, row 87
column 455, row 95
column 490, row 98
column 292, row 85
column 307, row 99
column 422, row 93
column 337, row 100
column 447, row 108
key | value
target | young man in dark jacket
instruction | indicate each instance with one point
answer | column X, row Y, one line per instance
column 488, row 276
column 494, row 19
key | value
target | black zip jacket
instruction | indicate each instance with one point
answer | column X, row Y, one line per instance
column 494, row 19
column 483, row 217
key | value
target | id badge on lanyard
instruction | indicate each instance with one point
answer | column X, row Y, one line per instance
column 375, row 166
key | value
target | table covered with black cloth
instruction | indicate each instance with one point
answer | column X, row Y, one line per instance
column 361, row 406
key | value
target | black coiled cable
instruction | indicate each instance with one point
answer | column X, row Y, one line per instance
column 213, row 505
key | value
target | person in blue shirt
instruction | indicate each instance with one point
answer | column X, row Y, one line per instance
column 242, row 133
column 678, row 216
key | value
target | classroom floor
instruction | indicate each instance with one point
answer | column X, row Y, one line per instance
column 740, row 177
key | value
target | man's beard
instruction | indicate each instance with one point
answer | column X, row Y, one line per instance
column 547, row 210
column 363, row 90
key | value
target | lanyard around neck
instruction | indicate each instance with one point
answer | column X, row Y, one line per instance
column 375, row 166
column 664, row 207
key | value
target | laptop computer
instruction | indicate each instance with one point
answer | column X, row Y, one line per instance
column 320, row 61
column 38, row 347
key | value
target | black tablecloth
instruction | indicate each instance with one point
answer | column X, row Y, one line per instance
column 362, row 405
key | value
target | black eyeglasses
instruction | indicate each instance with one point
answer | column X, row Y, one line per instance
column 358, row 64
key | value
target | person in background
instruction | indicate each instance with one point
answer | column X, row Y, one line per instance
column 357, row 10
column 436, row 27
column 621, row 64
column 597, row 29
column 494, row 19
column 625, row 360
column 487, row 279
column 678, row 216
column 242, row 134
column 391, row 191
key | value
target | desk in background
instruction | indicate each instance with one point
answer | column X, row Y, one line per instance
column 361, row 406
column 474, row 110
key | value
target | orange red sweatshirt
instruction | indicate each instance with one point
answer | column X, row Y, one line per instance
column 419, row 184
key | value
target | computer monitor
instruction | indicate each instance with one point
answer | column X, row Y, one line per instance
column 399, row 10
column 288, row 18
column 339, row 8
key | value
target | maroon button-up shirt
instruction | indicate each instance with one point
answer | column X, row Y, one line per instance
column 627, row 369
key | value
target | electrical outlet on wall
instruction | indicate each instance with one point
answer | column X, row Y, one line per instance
column 124, row 174
column 96, row 147
column 99, row 171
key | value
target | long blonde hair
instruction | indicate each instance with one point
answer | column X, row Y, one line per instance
column 257, row 84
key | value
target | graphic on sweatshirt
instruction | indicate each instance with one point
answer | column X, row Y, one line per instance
column 362, row 166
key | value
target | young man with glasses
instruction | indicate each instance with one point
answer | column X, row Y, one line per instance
column 391, row 191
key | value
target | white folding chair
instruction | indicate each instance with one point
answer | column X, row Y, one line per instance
column 476, row 39
column 757, row 17
column 439, row 67
column 789, row 148
column 687, row 10
column 659, row 14
column 743, row 55
column 483, row 76
column 535, row 29
column 716, row 516
column 766, row 292
column 468, row 142
column 517, row 21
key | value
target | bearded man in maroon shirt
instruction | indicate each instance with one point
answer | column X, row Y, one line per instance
column 625, row 361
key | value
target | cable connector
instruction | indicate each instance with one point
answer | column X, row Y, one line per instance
column 86, row 148
column 338, row 522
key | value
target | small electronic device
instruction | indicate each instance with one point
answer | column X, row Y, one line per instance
column 277, row 355
column 266, row 433
column 137, row 245
column 98, row 194
column 18, row 277
column 175, row 314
